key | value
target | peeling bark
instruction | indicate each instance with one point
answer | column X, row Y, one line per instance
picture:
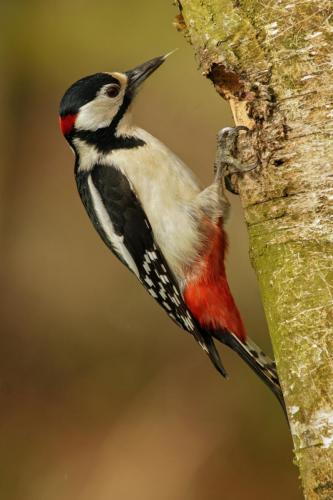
column 273, row 61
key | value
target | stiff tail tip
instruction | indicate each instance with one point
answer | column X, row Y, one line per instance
column 256, row 359
column 263, row 366
column 207, row 344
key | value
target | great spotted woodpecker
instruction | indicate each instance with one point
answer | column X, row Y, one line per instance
column 149, row 210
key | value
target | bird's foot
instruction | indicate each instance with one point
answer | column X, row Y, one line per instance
column 228, row 155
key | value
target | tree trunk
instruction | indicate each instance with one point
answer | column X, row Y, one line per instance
column 273, row 61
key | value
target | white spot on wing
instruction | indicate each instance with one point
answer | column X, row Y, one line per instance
column 162, row 292
column 175, row 300
column 104, row 219
column 149, row 281
column 187, row 321
column 146, row 267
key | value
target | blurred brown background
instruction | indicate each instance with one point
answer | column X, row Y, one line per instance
column 103, row 397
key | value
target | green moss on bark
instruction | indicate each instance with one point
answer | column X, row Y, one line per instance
column 272, row 60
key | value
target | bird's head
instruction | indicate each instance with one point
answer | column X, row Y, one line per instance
column 101, row 101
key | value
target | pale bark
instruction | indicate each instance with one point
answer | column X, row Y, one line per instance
column 273, row 61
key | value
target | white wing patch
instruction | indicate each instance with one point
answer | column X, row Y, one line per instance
column 116, row 241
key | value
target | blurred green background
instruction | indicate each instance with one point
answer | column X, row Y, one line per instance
column 103, row 397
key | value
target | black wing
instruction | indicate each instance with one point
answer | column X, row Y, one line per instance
column 127, row 232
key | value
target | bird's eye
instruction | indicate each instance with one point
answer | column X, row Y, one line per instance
column 113, row 90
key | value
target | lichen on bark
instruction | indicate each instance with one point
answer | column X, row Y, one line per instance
column 272, row 60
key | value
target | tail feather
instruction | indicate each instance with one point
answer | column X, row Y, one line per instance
column 208, row 345
column 257, row 360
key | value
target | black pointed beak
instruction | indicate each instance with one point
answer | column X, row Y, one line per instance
column 139, row 74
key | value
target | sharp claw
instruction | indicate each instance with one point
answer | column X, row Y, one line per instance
column 224, row 131
column 227, row 162
column 242, row 127
column 229, row 185
column 227, row 142
column 231, row 131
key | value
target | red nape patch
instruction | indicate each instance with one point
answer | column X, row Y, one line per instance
column 208, row 295
column 67, row 123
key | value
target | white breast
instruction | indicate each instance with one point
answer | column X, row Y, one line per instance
column 167, row 190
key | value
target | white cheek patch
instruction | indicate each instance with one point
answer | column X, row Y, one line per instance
column 99, row 112
column 103, row 217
